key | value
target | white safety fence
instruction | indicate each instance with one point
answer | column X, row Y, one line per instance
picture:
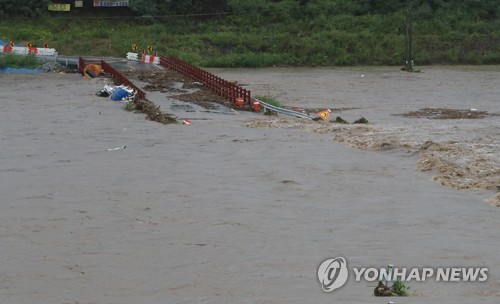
column 143, row 58
column 17, row 50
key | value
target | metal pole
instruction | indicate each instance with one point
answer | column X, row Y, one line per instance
column 409, row 38
column 409, row 59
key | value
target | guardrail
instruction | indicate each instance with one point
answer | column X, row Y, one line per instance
column 106, row 67
column 283, row 111
column 216, row 84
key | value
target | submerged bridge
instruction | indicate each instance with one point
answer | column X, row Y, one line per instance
column 234, row 93
column 237, row 95
column 230, row 91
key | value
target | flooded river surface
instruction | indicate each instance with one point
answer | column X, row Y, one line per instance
column 385, row 96
column 456, row 153
column 100, row 205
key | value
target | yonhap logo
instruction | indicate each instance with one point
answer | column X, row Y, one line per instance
column 333, row 274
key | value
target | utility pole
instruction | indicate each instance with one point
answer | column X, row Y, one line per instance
column 409, row 38
column 409, row 56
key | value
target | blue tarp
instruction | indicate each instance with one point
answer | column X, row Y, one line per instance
column 119, row 94
column 20, row 71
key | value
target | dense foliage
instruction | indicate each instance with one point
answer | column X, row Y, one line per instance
column 37, row 8
column 269, row 32
column 23, row 8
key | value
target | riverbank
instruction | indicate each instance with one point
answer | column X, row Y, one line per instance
column 273, row 33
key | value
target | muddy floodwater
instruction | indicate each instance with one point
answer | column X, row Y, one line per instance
column 99, row 205
column 453, row 113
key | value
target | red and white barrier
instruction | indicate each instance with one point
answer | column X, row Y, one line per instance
column 144, row 58
column 28, row 50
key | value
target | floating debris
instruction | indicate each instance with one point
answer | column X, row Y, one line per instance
column 443, row 113
column 362, row 120
column 117, row 148
column 340, row 120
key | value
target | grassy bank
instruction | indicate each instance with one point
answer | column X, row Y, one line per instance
column 265, row 33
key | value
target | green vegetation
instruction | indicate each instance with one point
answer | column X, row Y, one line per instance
column 129, row 106
column 260, row 33
column 270, row 100
column 14, row 61
column 400, row 289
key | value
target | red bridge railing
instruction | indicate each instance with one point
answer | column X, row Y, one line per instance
column 216, row 84
column 106, row 67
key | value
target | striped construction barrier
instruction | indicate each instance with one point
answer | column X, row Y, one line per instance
column 17, row 50
column 143, row 58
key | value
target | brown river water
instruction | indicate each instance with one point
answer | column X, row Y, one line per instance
column 465, row 151
column 240, row 207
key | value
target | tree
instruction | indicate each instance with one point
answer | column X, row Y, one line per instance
column 144, row 7
column 23, row 8
column 209, row 6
